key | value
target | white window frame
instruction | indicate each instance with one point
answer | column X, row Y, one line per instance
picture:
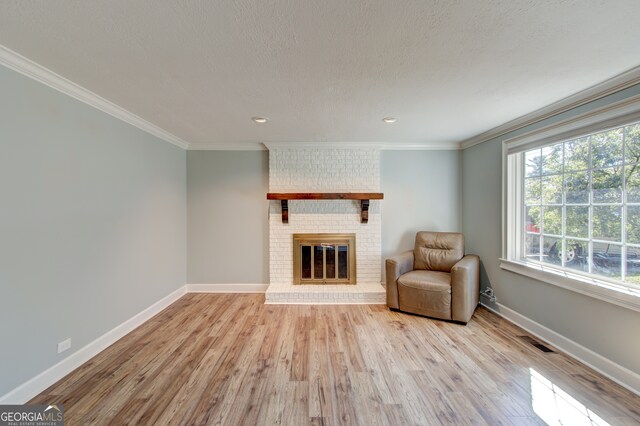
column 615, row 114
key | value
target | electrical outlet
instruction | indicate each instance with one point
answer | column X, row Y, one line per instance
column 64, row 345
column 488, row 293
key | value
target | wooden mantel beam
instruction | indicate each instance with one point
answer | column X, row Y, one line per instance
column 325, row 196
column 364, row 198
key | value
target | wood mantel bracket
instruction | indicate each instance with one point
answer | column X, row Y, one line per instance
column 364, row 198
column 364, row 211
column 285, row 210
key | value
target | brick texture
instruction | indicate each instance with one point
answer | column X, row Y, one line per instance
column 325, row 170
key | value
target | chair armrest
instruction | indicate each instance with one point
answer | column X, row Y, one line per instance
column 396, row 266
column 465, row 288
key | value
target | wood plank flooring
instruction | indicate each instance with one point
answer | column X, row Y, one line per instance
column 229, row 359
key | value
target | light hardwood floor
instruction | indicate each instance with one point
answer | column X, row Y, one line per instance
column 230, row 359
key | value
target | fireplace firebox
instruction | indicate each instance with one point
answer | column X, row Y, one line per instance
column 324, row 258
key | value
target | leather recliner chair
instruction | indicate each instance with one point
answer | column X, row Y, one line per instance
column 435, row 279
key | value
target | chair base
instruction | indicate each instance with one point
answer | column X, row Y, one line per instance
column 427, row 316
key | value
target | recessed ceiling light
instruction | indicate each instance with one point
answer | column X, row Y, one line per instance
column 389, row 120
column 260, row 120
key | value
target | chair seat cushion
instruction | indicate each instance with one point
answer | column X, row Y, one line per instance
column 427, row 280
column 425, row 293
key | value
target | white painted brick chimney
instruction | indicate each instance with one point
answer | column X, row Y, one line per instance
column 324, row 170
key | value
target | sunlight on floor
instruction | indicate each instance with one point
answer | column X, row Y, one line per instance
column 556, row 407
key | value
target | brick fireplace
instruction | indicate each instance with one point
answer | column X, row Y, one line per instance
column 320, row 169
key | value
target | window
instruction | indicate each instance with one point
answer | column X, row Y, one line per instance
column 582, row 204
column 572, row 203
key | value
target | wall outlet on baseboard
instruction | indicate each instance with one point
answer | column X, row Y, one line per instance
column 488, row 293
column 64, row 345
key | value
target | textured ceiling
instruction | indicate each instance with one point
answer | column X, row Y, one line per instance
column 327, row 70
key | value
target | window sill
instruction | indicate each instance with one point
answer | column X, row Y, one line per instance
column 601, row 290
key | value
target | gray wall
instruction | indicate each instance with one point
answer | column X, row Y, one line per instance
column 92, row 224
column 228, row 229
column 227, row 208
column 600, row 326
column 422, row 192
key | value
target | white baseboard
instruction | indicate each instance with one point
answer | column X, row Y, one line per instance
column 619, row 374
column 42, row 381
column 227, row 288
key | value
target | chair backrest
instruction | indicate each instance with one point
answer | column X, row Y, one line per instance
column 438, row 251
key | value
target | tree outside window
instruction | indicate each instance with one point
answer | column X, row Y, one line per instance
column 582, row 204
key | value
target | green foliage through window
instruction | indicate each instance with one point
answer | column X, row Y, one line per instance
column 582, row 203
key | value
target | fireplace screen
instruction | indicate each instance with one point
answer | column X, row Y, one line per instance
column 324, row 258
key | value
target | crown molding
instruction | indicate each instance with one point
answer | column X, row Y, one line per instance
column 611, row 115
column 387, row 146
column 600, row 90
column 322, row 145
column 230, row 146
column 258, row 146
column 424, row 146
column 37, row 72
